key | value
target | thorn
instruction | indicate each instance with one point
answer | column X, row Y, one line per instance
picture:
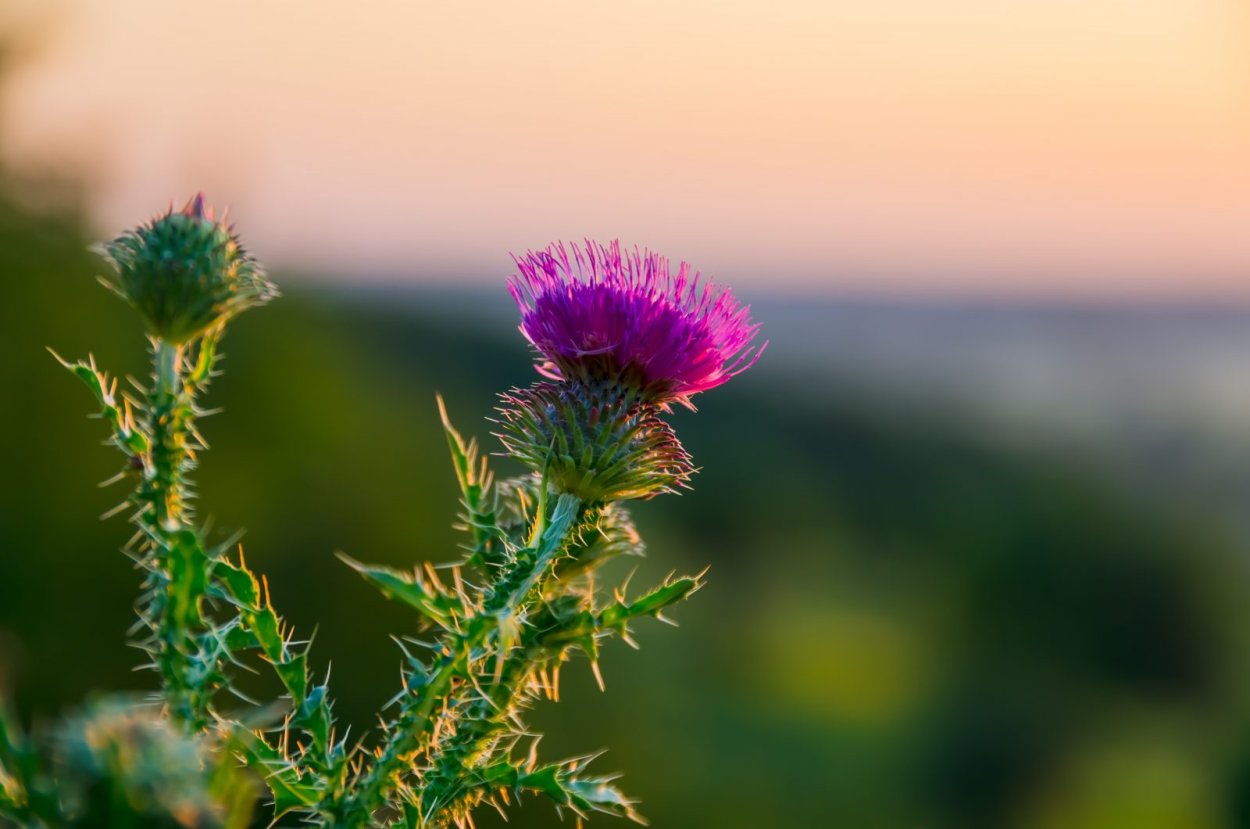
column 625, row 585
column 460, row 591
column 66, row 363
column 594, row 668
column 119, row 477
column 115, row 510
column 434, row 579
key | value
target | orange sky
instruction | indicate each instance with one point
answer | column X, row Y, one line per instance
column 1018, row 147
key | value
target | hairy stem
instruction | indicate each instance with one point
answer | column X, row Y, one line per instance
column 480, row 723
column 411, row 732
column 170, row 415
column 176, row 559
column 482, row 716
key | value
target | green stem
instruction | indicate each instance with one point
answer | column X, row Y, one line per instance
column 178, row 561
column 170, row 421
column 411, row 731
column 481, row 717
column 551, row 540
column 479, row 724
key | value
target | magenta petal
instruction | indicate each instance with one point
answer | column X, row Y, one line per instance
column 597, row 313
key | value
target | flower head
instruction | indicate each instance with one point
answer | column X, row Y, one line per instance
column 600, row 314
column 185, row 271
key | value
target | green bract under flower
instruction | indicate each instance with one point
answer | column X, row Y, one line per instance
column 185, row 272
column 600, row 442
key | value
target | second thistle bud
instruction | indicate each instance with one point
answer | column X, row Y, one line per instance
column 119, row 764
column 598, row 442
column 185, row 272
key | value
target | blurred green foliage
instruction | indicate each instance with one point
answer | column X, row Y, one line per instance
column 903, row 627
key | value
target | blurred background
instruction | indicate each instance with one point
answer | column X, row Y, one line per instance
column 977, row 521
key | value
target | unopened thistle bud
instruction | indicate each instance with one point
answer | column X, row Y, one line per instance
column 185, row 272
column 120, row 764
column 600, row 442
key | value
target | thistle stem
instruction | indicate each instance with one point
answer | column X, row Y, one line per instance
column 176, row 561
column 480, row 723
column 411, row 733
column 553, row 540
column 168, row 359
column 481, row 714
column 169, row 430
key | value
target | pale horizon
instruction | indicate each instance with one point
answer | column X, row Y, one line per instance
column 1061, row 150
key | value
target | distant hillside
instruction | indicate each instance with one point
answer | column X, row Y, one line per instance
column 1159, row 396
column 1047, row 367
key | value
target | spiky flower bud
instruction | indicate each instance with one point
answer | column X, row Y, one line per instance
column 600, row 442
column 120, row 764
column 184, row 272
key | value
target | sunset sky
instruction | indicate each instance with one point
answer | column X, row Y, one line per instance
column 975, row 147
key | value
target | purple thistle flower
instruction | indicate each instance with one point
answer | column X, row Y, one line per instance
column 595, row 313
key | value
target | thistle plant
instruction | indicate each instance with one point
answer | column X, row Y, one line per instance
column 619, row 336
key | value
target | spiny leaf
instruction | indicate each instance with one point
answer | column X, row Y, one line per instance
column 463, row 454
column 474, row 479
column 294, row 675
column 239, row 583
column 651, row 603
column 126, row 435
column 290, row 792
column 562, row 783
column 433, row 603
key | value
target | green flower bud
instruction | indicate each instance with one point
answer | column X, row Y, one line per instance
column 120, row 764
column 600, row 442
column 185, row 272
